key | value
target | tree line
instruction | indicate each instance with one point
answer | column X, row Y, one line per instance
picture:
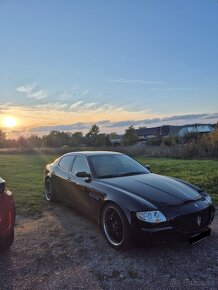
column 57, row 139
column 196, row 144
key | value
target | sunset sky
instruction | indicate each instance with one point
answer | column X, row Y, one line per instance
column 68, row 64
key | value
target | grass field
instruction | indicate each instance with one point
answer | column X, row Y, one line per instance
column 24, row 175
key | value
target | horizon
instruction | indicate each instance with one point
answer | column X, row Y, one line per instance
column 70, row 65
column 13, row 135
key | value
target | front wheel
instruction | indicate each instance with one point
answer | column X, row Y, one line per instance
column 49, row 195
column 115, row 226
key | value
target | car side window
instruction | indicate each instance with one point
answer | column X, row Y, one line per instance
column 80, row 165
column 66, row 162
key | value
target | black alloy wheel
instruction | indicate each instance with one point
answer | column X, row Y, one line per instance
column 115, row 226
column 48, row 190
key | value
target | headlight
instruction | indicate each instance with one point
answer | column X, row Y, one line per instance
column 151, row 216
column 208, row 198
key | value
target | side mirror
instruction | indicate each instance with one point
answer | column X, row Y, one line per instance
column 148, row 167
column 83, row 174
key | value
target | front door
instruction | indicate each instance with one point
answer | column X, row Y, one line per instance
column 79, row 189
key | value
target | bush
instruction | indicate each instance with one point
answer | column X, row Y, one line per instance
column 154, row 142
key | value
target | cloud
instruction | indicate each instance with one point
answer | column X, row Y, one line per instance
column 155, row 83
column 104, row 124
column 135, row 81
column 25, row 89
column 75, row 93
column 79, row 115
column 31, row 91
column 187, row 118
column 126, row 123
column 70, row 127
column 56, row 106
column 76, row 100
column 82, row 106
column 211, row 116
column 76, row 105
column 172, row 89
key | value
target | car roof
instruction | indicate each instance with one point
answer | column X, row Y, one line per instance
column 92, row 153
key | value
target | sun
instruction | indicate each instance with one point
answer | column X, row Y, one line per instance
column 9, row 122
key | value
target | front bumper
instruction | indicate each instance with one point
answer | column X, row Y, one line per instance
column 165, row 235
column 171, row 231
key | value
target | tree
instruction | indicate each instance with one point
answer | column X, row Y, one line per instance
column 214, row 141
column 34, row 141
column 91, row 136
column 76, row 139
column 2, row 139
column 57, row 139
column 107, row 140
column 130, row 137
column 11, row 143
column 113, row 135
column 22, row 142
column 102, row 140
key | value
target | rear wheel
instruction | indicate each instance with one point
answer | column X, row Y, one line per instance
column 49, row 194
column 7, row 241
column 115, row 226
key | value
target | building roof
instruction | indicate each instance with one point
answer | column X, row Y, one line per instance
column 195, row 129
column 156, row 131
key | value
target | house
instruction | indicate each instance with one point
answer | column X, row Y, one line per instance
column 201, row 129
column 152, row 133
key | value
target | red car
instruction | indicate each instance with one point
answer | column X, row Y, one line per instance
column 7, row 216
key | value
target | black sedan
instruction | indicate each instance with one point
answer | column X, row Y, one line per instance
column 127, row 200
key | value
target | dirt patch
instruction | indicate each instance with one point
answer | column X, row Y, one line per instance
column 63, row 250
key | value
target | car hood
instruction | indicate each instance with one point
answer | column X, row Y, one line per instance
column 155, row 188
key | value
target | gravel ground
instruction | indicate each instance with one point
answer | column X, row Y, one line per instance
column 63, row 250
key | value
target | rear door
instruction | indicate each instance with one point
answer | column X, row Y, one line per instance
column 60, row 176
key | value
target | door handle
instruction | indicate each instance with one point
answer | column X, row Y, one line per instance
column 68, row 178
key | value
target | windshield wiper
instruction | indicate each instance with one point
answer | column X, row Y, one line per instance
column 132, row 173
column 108, row 176
column 121, row 175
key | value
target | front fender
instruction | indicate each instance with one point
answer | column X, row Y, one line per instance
column 127, row 201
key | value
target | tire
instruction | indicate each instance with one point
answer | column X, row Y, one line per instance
column 115, row 226
column 7, row 241
column 49, row 193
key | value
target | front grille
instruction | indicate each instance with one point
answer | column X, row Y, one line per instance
column 193, row 221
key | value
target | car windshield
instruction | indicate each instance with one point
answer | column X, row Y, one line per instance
column 117, row 165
